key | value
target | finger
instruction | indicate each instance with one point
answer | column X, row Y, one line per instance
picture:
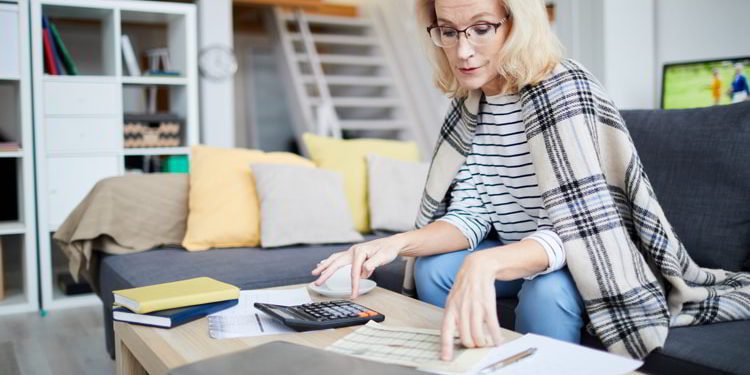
column 491, row 317
column 446, row 335
column 359, row 258
column 332, row 268
column 369, row 266
column 323, row 264
column 464, row 326
column 477, row 324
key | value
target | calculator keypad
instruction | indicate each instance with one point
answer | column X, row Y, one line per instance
column 331, row 310
column 321, row 315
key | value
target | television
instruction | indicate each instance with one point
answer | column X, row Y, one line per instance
column 690, row 84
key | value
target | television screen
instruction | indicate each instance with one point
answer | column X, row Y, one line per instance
column 704, row 83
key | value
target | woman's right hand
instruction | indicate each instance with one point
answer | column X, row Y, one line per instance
column 364, row 258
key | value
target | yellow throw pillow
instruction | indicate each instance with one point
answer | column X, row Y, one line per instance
column 349, row 158
column 223, row 204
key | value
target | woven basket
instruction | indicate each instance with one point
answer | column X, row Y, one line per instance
column 153, row 130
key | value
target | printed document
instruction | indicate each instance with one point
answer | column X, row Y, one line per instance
column 413, row 347
column 244, row 320
column 556, row 357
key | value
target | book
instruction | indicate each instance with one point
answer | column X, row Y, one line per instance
column 129, row 55
column 10, row 146
column 49, row 56
column 168, row 73
column 67, row 60
column 53, row 46
column 176, row 294
column 171, row 317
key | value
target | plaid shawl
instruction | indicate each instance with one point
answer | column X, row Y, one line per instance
column 633, row 273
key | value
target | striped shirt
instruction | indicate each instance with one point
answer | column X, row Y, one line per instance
column 497, row 186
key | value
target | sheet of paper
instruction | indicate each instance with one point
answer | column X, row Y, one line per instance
column 405, row 346
column 244, row 320
column 555, row 357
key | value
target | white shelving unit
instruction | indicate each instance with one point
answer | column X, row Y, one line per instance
column 79, row 119
column 17, row 229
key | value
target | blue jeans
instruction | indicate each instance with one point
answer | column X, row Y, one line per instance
column 548, row 305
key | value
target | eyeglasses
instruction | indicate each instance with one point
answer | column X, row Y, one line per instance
column 478, row 34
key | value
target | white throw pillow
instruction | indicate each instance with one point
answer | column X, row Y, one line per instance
column 302, row 205
column 395, row 190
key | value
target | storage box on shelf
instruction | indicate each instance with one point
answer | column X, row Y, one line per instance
column 80, row 113
column 18, row 256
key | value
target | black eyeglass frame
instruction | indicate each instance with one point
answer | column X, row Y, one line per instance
column 496, row 25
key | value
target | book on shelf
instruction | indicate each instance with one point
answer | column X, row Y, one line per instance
column 175, row 294
column 128, row 54
column 163, row 73
column 9, row 146
column 53, row 46
column 57, row 59
column 171, row 317
column 67, row 60
column 49, row 55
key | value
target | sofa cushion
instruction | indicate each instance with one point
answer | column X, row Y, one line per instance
column 391, row 275
column 698, row 161
column 720, row 346
column 348, row 157
column 394, row 192
column 301, row 205
column 247, row 268
column 223, row 204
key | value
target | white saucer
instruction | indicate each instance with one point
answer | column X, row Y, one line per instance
column 365, row 285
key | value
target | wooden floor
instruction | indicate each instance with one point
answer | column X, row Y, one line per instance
column 69, row 341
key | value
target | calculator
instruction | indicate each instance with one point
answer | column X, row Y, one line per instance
column 321, row 315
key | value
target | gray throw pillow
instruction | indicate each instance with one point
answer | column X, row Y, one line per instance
column 302, row 205
column 394, row 192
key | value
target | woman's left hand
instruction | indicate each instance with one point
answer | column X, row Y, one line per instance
column 470, row 307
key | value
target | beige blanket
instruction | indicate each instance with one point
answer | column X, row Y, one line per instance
column 125, row 214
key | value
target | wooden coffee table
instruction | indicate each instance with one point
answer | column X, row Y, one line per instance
column 141, row 349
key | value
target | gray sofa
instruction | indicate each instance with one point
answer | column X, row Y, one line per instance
column 698, row 162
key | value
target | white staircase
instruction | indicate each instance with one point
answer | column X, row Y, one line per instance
column 342, row 75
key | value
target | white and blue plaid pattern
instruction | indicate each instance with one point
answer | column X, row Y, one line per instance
column 634, row 274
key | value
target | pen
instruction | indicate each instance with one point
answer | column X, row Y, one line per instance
column 507, row 361
column 260, row 325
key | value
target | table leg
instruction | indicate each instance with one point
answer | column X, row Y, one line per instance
column 127, row 364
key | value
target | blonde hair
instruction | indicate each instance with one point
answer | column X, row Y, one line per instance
column 529, row 54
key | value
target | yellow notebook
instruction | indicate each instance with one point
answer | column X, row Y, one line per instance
column 176, row 294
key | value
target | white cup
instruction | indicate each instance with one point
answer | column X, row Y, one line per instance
column 341, row 280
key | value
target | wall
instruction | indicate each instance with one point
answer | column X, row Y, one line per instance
column 625, row 43
column 217, row 96
column 628, row 41
column 603, row 36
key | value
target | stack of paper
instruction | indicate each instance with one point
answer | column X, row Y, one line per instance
column 555, row 357
column 245, row 320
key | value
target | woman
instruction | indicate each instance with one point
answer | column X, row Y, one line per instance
column 532, row 149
